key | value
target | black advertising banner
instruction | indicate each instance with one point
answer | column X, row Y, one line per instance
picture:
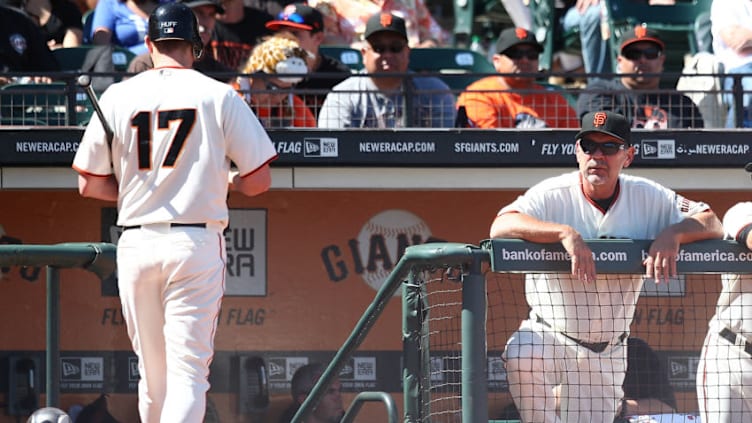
column 424, row 148
column 38, row 146
column 618, row 256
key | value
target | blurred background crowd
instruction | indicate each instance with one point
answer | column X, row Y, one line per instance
column 418, row 63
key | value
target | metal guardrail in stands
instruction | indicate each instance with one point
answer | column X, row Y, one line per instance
column 63, row 103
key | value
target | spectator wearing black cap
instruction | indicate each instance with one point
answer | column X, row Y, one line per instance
column 636, row 94
column 385, row 94
column 206, row 12
column 307, row 25
column 514, row 99
column 239, row 29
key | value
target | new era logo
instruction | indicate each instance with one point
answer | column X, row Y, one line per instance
column 82, row 369
column 320, row 147
column 658, row 149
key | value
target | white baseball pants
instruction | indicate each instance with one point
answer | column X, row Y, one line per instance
column 171, row 282
column 724, row 381
column 545, row 367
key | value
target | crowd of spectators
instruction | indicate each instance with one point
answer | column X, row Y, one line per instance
column 385, row 92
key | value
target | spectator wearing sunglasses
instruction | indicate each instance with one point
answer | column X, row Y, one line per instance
column 268, row 80
column 636, row 93
column 385, row 94
column 307, row 25
column 513, row 99
column 573, row 346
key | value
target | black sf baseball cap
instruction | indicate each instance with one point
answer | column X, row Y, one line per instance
column 382, row 22
column 511, row 37
column 298, row 16
column 640, row 33
column 609, row 123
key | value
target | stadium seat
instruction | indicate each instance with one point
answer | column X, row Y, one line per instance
column 86, row 20
column 458, row 67
column 485, row 18
column 675, row 25
column 703, row 35
column 347, row 55
column 33, row 104
column 549, row 33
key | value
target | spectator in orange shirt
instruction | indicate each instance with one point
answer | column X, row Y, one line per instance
column 514, row 100
column 275, row 66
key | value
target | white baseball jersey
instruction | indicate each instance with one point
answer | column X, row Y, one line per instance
column 724, row 373
column 177, row 149
column 734, row 309
column 600, row 311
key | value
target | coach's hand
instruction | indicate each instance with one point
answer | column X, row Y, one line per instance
column 583, row 265
column 661, row 261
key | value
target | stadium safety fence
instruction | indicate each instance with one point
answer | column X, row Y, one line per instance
column 461, row 304
column 63, row 103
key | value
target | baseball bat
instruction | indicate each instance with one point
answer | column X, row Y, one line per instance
column 84, row 81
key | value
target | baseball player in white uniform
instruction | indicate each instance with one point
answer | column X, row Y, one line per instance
column 175, row 133
column 572, row 348
column 724, row 373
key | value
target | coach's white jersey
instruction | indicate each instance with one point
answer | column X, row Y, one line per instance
column 734, row 309
column 599, row 311
column 163, row 144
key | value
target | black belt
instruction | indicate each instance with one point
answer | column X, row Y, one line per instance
column 172, row 225
column 731, row 336
column 596, row 347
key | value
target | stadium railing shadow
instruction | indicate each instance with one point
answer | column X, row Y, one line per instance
column 63, row 103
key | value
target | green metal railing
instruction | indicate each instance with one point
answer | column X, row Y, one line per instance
column 98, row 258
column 469, row 265
column 415, row 259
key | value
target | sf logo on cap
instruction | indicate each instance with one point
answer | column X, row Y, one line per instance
column 641, row 31
column 385, row 19
column 599, row 119
column 521, row 33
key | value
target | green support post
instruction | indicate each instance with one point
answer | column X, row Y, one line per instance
column 464, row 15
column 474, row 360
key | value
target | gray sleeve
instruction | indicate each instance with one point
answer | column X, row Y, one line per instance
column 443, row 111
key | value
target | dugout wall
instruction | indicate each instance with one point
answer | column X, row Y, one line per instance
column 321, row 244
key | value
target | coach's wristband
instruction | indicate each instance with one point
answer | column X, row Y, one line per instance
column 741, row 237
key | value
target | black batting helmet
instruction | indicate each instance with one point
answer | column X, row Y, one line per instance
column 175, row 21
